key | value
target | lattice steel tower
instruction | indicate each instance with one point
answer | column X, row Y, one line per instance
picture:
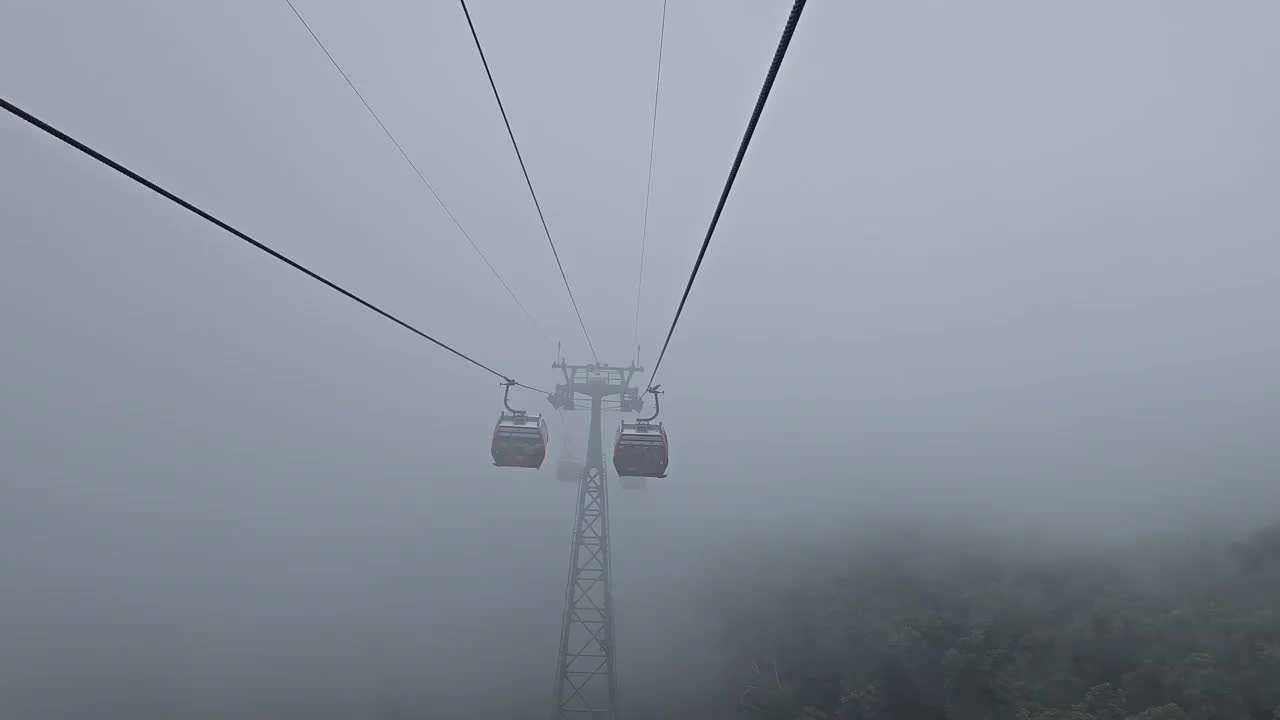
column 586, row 674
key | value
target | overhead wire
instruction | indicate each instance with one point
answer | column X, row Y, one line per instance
column 778, row 55
column 204, row 214
column 415, row 169
column 527, row 181
column 648, row 188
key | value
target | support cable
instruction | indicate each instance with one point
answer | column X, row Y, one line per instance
column 527, row 181
column 415, row 169
column 65, row 138
column 778, row 55
column 648, row 188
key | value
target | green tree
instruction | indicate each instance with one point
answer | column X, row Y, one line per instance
column 1170, row 711
column 1105, row 702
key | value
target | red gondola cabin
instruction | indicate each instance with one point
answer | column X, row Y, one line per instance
column 519, row 440
column 641, row 450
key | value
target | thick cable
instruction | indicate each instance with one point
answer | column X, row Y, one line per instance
column 778, row 55
column 648, row 188
column 527, row 181
column 78, row 145
column 416, row 171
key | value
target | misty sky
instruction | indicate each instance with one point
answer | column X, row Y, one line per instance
column 1022, row 255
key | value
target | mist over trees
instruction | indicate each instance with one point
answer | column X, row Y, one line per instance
column 922, row 625
column 973, row 410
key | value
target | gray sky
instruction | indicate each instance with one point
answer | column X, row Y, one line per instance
column 1016, row 256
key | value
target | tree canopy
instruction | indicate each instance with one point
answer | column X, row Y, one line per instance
column 944, row 630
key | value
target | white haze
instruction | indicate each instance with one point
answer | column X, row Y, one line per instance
column 1009, row 265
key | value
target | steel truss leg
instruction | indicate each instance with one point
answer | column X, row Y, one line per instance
column 586, row 684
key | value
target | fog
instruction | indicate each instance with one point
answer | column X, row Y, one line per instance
column 1010, row 267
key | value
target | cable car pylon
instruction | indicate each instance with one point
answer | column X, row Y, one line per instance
column 586, row 671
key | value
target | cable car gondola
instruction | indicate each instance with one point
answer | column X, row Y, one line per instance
column 519, row 439
column 640, row 449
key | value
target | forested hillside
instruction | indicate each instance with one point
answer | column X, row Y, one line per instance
column 942, row 628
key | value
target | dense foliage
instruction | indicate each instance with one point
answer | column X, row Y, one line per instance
column 936, row 629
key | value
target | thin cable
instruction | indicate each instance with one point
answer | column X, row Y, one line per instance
column 648, row 188
column 60, row 135
column 778, row 54
column 527, row 181
column 416, row 171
